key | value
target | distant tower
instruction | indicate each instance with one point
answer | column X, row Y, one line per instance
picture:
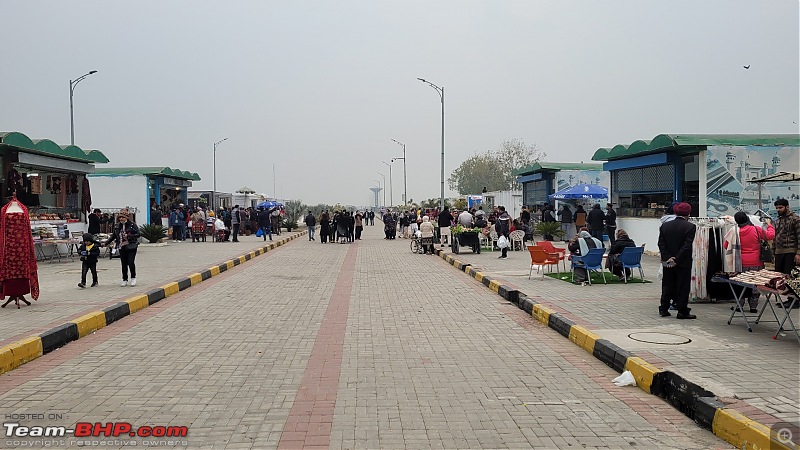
column 776, row 162
column 729, row 160
column 376, row 191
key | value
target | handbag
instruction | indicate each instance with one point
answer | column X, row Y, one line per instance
column 260, row 232
column 766, row 250
column 502, row 242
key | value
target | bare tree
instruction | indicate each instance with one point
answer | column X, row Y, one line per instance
column 492, row 170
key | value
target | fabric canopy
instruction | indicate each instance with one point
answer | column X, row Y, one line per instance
column 581, row 191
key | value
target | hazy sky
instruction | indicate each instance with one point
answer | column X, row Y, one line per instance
column 319, row 88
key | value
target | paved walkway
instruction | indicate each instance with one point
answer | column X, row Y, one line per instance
column 344, row 346
column 61, row 299
column 752, row 372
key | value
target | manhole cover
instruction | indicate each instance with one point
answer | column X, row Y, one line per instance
column 660, row 338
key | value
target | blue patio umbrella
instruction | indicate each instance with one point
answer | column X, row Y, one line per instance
column 581, row 191
column 268, row 204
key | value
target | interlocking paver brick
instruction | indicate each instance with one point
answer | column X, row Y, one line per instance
column 429, row 352
column 724, row 359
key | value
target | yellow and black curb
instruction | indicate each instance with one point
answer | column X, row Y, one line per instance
column 25, row 350
column 693, row 400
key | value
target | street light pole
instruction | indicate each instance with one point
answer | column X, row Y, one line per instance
column 384, row 188
column 391, row 201
column 72, row 85
column 405, row 185
column 440, row 91
column 214, row 192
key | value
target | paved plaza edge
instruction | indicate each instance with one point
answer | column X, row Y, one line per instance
column 25, row 350
column 694, row 401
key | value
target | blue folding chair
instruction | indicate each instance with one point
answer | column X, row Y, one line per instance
column 590, row 261
column 631, row 258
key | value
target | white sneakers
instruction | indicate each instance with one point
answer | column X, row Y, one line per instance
column 124, row 283
column 133, row 281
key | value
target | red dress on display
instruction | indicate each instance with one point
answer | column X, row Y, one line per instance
column 18, row 270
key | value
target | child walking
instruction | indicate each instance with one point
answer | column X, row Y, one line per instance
column 89, row 251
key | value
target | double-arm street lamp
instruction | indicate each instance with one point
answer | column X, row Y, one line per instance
column 440, row 91
column 405, row 186
column 214, row 192
column 72, row 84
column 391, row 202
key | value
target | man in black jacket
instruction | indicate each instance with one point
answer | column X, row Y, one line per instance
column 596, row 220
column 311, row 223
column 265, row 224
column 675, row 244
column 444, row 221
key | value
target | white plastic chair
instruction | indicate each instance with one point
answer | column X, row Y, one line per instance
column 517, row 237
column 492, row 238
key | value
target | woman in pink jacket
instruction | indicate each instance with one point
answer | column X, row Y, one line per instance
column 750, row 237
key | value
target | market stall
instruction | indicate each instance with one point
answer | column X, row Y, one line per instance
column 51, row 181
column 708, row 171
column 542, row 179
column 138, row 189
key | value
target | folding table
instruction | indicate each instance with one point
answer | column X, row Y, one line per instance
column 772, row 294
column 737, row 297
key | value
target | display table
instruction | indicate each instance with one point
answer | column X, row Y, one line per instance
column 56, row 254
column 770, row 294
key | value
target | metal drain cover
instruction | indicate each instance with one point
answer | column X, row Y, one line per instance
column 660, row 338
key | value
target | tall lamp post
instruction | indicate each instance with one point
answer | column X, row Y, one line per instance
column 384, row 188
column 391, row 201
column 405, row 186
column 72, row 84
column 384, row 192
column 440, row 91
column 214, row 192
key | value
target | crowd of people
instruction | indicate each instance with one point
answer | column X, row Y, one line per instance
column 227, row 224
column 341, row 226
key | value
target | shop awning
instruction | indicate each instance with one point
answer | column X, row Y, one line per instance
column 148, row 171
column 690, row 142
column 19, row 142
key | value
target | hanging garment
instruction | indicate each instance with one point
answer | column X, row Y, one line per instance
column 732, row 260
column 18, row 270
column 699, row 264
column 86, row 196
column 36, row 184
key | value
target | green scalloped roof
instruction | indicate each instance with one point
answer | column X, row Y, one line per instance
column 664, row 142
column 155, row 171
column 50, row 148
column 545, row 166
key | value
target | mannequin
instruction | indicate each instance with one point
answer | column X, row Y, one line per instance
column 18, row 270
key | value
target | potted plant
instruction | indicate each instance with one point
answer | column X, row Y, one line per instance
column 153, row 233
column 549, row 229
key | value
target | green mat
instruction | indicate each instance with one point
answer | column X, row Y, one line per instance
column 597, row 278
